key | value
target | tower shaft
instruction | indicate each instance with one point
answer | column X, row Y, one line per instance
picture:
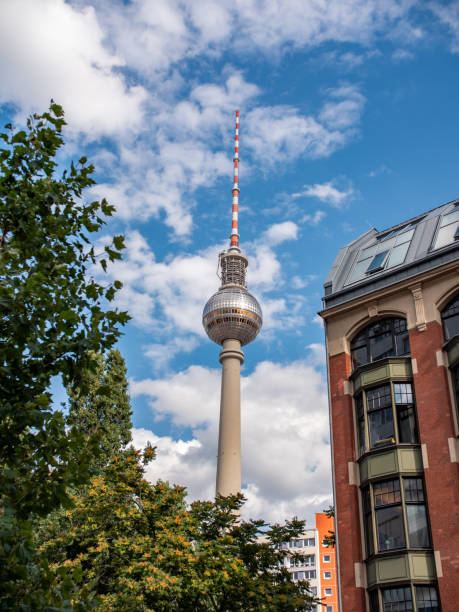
column 229, row 438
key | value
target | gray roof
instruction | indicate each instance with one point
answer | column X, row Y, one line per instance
column 376, row 260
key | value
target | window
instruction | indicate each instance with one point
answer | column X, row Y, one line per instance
column 310, row 574
column 310, row 542
column 308, row 561
column 388, row 515
column 388, row 251
column 374, row 601
column 426, row 599
column 397, row 600
column 455, row 378
column 329, row 608
column 400, row 599
column 450, row 319
column 385, row 338
column 327, row 575
column 399, row 513
column 378, row 409
column 313, row 590
column 326, row 558
column 377, row 263
column 328, row 592
column 447, row 229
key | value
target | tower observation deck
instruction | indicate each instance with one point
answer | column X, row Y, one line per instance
column 232, row 318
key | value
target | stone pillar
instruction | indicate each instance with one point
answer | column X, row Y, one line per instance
column 229, row 437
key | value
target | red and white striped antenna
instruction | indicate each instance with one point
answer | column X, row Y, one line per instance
column 234, row 237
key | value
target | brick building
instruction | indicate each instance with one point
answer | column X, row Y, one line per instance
column 391, row 313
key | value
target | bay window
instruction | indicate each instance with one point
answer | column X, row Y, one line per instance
column 388, row 414
column 395, row 511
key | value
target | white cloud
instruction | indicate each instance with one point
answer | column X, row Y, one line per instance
column 345, row 108
column 53, row 50
column 279, row 232
column 285, row 449
column 330, row 193
column 314, row 219
column 448, row 15
column 161, row 354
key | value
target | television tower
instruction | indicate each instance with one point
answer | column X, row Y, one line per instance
column 232, row 318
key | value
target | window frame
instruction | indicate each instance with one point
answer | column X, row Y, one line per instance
column 365, row 339
column 363, row 412
column 370, row 528
column 449, row 312
column 375, row 595
column 327, row 577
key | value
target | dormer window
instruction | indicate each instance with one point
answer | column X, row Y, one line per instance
column 388, row 251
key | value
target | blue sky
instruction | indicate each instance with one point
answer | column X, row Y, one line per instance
column 348, row 121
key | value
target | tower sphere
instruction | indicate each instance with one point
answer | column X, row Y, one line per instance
column 232, row 314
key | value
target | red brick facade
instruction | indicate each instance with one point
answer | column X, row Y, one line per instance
column 346, row 500
column 436, row 426
column 442, row 475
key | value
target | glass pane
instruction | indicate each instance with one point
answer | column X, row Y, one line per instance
column 358, row 272
column 407, row 429
column 414, row 490
column 404, row 237
column 359, row 356
column 452, row 308
column 402, row 343
column 362, row 441
column 374, row 601
column 451, row 326
column 381, row 425
column 387, row 492
column 377, row 262
column 367, row 253
column 380, row 327
column 397, row 600
column 450, row 218
column 379, row 397
column 397, row 255
column 382, row 346
column 445, row 236
column 389, row 527
column 427, row 598
column 399, row 325
column 403, row 393
column 418, row 532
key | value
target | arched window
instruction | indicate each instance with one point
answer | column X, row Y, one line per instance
column 384, row 338
column 450, row 318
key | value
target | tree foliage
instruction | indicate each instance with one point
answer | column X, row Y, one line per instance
column 330, row 538
column 132, row 545
column 101, row 404
column 52, row 315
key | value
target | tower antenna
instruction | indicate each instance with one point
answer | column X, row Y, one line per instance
column 234, row 237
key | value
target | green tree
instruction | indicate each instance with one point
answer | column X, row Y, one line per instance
column 52, row 314
column 136, row 546
column 102, row 406
column 330, row 538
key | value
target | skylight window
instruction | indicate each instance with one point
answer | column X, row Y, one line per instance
column 377, row 263
column 385, row 253
column 448, row 229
